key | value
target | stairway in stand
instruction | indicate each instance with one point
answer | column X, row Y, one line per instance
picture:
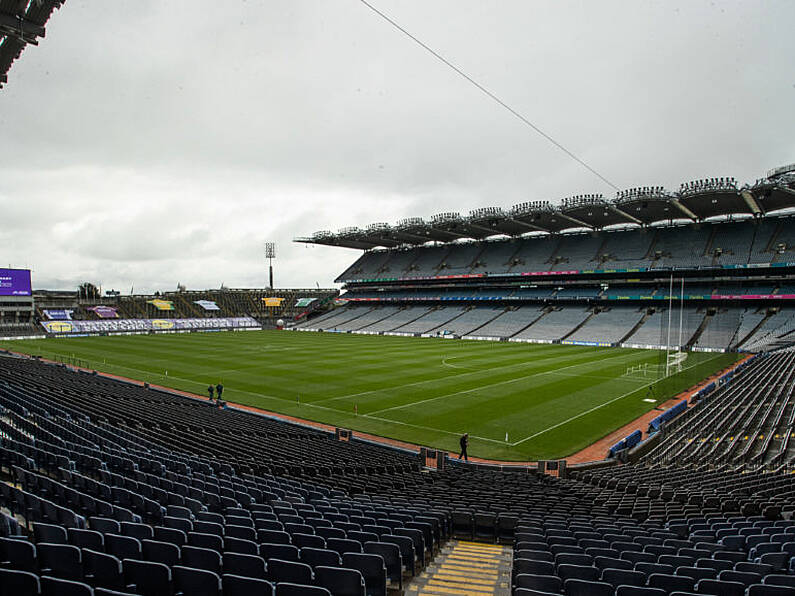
column 466, row 568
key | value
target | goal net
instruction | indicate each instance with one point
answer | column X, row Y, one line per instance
column 646, row 371
column 673, row 364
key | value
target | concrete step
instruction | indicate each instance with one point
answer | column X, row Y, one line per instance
column 465, row 568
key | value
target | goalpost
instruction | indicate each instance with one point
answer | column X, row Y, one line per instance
column 674, row 355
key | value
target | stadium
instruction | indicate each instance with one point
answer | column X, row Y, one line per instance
column 618, row 373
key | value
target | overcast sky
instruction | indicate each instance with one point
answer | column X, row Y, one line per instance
column 150, row 143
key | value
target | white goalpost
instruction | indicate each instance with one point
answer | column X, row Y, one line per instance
column 675, row 357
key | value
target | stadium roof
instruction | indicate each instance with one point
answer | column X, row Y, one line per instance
column 21, row 23
column 695, row 201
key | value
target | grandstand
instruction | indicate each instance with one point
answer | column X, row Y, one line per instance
column 678, row 260
column 112, row 486
column 66, row 312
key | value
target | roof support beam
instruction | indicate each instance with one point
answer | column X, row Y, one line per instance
column 455, row 235
column 581, row 224
column 530, row 227
column 751, row 202
column 627, row 215
column 683, row 209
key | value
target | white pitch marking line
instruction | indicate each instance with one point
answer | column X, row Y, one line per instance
column 400, row 387
column 554, row 426
column 445, row 363
column 506, row 382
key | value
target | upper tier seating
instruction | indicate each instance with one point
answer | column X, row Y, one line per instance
column 683, row 246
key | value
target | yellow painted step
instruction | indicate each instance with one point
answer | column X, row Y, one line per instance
column 480, row 544
column 466, row 560
column 434, row 591
column 463, row 586
column 471, row 571
column 453, row 577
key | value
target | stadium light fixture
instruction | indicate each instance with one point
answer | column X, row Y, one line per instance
column 270, row 254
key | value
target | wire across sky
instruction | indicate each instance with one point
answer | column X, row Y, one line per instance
column 488, row 93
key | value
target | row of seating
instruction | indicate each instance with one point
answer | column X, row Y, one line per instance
column 177, row 501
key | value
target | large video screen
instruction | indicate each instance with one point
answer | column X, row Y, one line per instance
column 15, row 282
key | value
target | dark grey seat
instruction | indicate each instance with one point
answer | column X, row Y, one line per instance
column 195, row 582
column 372, row 568
column 340, row 581
column 55, row 586
column 290, row 589
column 320, row 556
column 149, row 578
column 102, row 570
column 237, row 585
column 244, row 565
column 289, row 571
column 201, row 558
column 60, row 560
column 19, row 583
column 390, row 553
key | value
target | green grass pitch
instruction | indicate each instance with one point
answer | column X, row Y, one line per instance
column 549, row 400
